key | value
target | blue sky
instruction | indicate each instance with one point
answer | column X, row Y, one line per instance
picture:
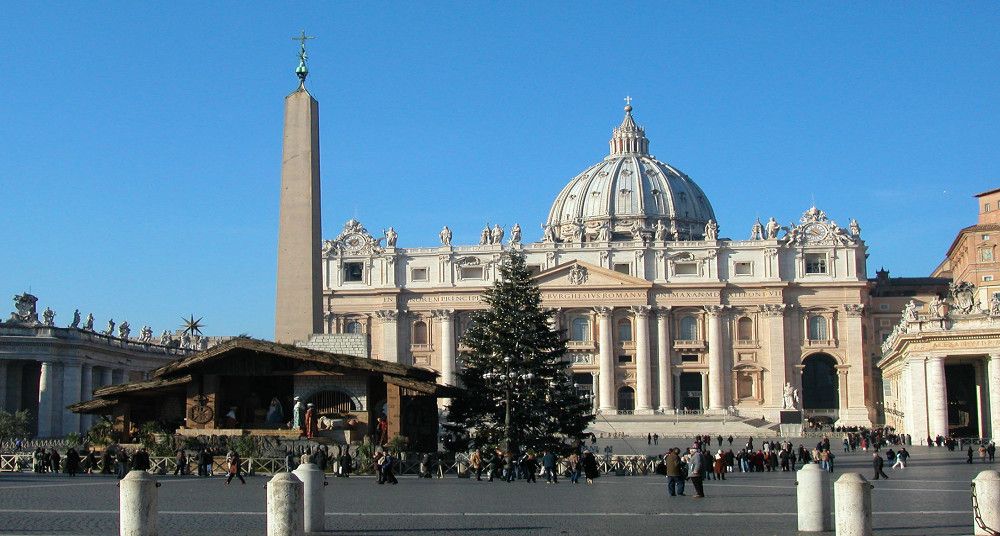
column 142, row 141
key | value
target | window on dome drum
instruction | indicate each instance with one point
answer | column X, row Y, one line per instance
column 686, row 268
column 419, row 332
column 471, row 272
column 418, row 274
column 744, row 329
column 623, row 268
column 743, row 268
column 817, row 328
column 689, row 358
column 815, row 263
column 689, row 329
column 624, row 330
column 353, row 327
column 580, row 331
column 354, row 272
column 624, row 359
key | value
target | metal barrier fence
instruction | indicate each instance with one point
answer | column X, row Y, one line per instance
column 408, row 464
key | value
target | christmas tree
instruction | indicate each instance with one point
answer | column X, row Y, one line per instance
column 519, row 392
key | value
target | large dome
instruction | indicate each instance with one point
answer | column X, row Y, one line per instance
column 629, row 192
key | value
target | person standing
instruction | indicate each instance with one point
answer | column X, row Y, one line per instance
column 991, row 450
column 180, row 462
column 696, row 470
column 235, row 467
column 529, row 465
column 969, row 455
column 310, row 421
column 675, row 473
column 590, row 466
column 656, row 439
column 878, row 464
column 72, row 461
column 54, row 460
column 476, row 462
column 377, row 460
column 90, row 462
column 387, row 474
column 649, row 439
column 298, row 408
column 549, row 467
column 573, row 463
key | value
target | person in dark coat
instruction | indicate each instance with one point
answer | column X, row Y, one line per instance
column 529, row 465
column 72, row 462
column 878, row 464
column 54, row 460
column 346, row 463
column 106, row 461
column 90, row 462
column 590, row 467
column 675, row 473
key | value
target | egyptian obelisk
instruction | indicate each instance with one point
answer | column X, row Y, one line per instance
column 298, row 307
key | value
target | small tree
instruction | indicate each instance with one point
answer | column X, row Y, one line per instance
column 14, row 425
column 519, row 392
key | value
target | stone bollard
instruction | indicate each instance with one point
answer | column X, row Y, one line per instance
column 853, row 498
column 284, row 506
column 986, row 503
column 313, row 482
column 137, row 504
column 813, row 499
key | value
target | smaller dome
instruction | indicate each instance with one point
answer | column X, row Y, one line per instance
column 629, row 192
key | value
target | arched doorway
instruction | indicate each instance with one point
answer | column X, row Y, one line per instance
column 820, row 386
column 626, row 399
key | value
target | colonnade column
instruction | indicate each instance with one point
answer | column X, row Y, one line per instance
column 643, row 380
column 716, row 380
column 596, row 377
column 607, row 363
column 86, row 393
column 118, row 376
column 390, row 334
column 71, row 395
column 106, row 377
column 665, row 374
column 3, row 385
column 46, row 388
column 937, row 397
column 705, row 396
column 915, row 410
column 993, row 372
column 447, row 318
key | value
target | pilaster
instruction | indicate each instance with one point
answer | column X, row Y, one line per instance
column 389, row 329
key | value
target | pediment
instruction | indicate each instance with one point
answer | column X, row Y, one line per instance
column 577, row 274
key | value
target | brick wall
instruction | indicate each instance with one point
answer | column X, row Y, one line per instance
column 355, row 344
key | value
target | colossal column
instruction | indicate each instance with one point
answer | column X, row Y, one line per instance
column 716, row 379
column 298, row 305
column 3, row 386
column 994, row 394
column 106, row 377
column 705, row 396
column 915, row 412
column 607, row 363
column 70, row 395
column 775, row 315
column 643, row 381
column 937, row 397
column 86, row 393
column 46, row 384
column 447, row 345
column 664, row 381
column 390, row 334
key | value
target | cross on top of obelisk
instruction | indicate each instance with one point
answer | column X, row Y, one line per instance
column 302, row 71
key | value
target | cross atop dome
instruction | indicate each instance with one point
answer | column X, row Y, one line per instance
column 628, row 138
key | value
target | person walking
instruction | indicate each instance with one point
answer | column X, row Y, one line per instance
column 590, row 466
column 573, row 463
column 387, row 474
column 122, row 462
column 878, row 464
column 549, row 467
column 72, row 461
column 969, row 455
column 529, row 465
column 377, row 462
column 180, row 462
column 901, row 457
column 476, row 461
column 656, row 439
column 675, row 473
column 235, row 467
column 991, row 450
column 696, row 470
column 649, row 439
column 346, row 463
column 90, row 462
column 54, row 460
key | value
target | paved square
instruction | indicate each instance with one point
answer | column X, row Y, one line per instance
column 932, row 496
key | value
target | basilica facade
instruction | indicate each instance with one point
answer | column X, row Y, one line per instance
column 663, row 315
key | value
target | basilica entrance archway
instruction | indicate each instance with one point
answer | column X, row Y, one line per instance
column 820, row 385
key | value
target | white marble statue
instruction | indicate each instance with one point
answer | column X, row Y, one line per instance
column 660, row 231
column 49, row 317
column 89, row 324
column 390, row 237
column 995, row 305
column 548, row 233
column 124, row 330
column 772, row 228
column 484, row 235
column 496, row 235
column 445, row 236
column 711, row 230
column 515, row 234
column 165, row 338
column 76, row 319
column 910, row 312
column 855, row 228
column 789, row 397
column 110, row 332
column 757, row 231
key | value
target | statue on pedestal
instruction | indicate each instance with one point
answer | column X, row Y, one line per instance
column 76, row 319
column 548, row 233
column 496, row 236
column 445, row 236
column 757, row 231
column 89, row 324
column 165, row 338
column 910, row 312
column 772, row 228
column 660, row 231
column 390, row 238
column 124, row 330
column 49, row 317
column 789, row 397
column 110, row 332
column 855, row 228
column 711, row 230
column 515, row 234
column 484, row 236
column 26, row 312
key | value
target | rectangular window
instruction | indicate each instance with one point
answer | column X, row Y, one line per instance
column 887, row 388
column 686, row 268
column 624, row 359
column 354, row 272
column 623, row 268
column 883, row 307
column 986, row 254
column 418, row 274
column 689, row 358
column 987, row 278
column 815, row 263
column 471, row 272
column 743, row 268
column 986, row 207
column 986, row 237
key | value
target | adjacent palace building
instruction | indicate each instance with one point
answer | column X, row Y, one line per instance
column 664, row 316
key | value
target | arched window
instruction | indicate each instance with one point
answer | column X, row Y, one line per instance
column 353, row 327
column 420, row 332
column 581, row 329
column 626, row 399
column 744, row 329
column 817, row 328
column 689, row 328
column 624, row 330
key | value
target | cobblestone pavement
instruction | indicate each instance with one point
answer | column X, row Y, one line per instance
column 929, row 497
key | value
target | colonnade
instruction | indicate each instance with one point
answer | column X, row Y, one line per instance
column 925, row 388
